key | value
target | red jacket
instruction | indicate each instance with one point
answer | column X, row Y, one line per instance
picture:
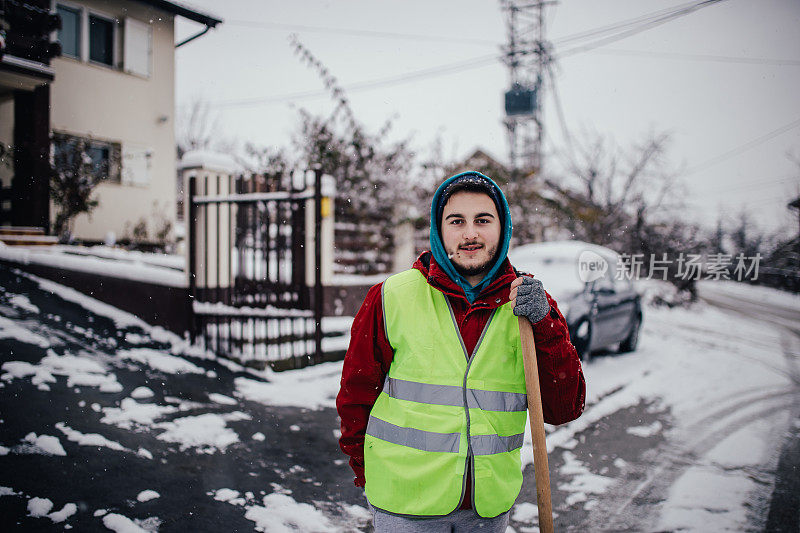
column 369, row 356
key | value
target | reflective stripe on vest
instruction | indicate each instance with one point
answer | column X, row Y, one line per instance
column 452, row 395
column 430, row 441
column 443, row 410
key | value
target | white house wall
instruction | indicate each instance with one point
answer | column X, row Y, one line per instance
column 137, row 112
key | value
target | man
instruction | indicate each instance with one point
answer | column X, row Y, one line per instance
column 432, row 397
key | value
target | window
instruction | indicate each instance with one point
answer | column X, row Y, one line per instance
column 69, row 151
column 101, row 40
column 70, row 33
column 124, row 44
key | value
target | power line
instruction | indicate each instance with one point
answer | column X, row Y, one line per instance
column 650, row 23
column 595, row 32
column 743, row 148
column 442, row 70
column 359, row 33
column 760, row 183
column 702, row 57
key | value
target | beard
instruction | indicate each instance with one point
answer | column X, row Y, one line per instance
column 474, row 270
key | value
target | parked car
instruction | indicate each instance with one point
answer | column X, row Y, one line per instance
column 600, row 303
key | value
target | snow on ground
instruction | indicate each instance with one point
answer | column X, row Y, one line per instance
column 80, row 371
column 222, row 399
column 147, row 495
column 312, row 387
column 716, row 373
column 280, row 513
column 130, row 413
column 22, row 301
column 583, row 483
column 140, row 393
column 90, row 439
column 160, row 361
column 645, row 431
column 207, row 433
column 752, row 292
column 44, row 444
column 122, row 524
column 68, row 258
column 121, row 318
column 720, row 489
column 15, row 329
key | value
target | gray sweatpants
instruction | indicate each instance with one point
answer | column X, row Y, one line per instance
column 464, row 521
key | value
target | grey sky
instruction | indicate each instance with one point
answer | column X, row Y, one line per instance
column 732, row 121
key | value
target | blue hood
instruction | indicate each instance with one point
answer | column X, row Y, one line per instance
column 437, row 246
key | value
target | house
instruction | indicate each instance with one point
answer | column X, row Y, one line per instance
column 99, row 73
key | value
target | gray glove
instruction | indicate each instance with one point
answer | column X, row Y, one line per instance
column 531, row 300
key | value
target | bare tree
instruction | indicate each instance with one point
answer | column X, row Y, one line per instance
column 607, row 192
column 73, row 180
column 196, row 127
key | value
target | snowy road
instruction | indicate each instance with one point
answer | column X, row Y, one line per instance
column 108, row 424
column 104, row 426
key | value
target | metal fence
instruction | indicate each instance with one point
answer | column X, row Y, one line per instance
column 249, row 296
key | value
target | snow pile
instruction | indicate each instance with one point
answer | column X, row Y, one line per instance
column 525, row 512
column 209, row 160
column 282, row 514
column 141, row 393
column 13, row 329
column 22, row 301
column 645, row 431
column 79, row 370
column 229, row 495
column 222, row 399
column 56, row 258
column 162, row 362
column 38, row 507
column 583, row 483
column 130, row 413
column 207, row 433
column 313, row 387
column 122, row 524
column 175, row 262
column 90, row 439
column 43, row 444
column 147, row 495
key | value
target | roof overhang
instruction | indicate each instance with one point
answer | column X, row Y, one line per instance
column 183, row 11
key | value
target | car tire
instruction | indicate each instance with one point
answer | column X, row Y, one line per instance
column 582, row 342
column 630, row 343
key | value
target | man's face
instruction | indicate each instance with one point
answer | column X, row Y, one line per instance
column 471, row 233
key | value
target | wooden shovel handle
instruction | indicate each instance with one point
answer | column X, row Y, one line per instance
column 537, row 426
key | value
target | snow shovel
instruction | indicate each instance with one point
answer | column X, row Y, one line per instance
column 537, row 426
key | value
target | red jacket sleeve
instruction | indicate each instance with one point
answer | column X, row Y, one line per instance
column 366, row 364
column 560, row 373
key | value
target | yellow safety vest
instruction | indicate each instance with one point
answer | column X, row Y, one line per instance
column 443, row 410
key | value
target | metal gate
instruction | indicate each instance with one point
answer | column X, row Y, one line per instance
column 249, row 296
